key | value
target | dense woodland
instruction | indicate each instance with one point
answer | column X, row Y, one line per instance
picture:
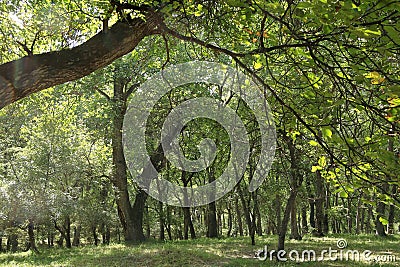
column 330, row 72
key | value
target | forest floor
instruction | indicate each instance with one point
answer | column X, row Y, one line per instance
column 219, row 252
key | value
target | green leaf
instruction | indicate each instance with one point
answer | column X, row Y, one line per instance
column 315, row 168
column 236, row 3
column 303, row 5
column 322, row 161
column 326, row 132
column 313, row 143
column 257, row 65
column 383, row 221
column 343, row 194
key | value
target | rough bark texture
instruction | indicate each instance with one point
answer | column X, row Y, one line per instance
column 31, row 235
column 22, row 77
column 130, row 216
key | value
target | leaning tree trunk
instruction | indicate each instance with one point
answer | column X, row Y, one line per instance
column 33, row 73
column 286, row 216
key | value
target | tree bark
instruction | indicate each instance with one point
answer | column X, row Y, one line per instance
column 94, row 234
column 286, row 216
column 304, row 224
column 30, row 74
column 161, row 220
column 212, row 225
column 392, row 213
column 188, row 224
column 212, row 230
column 319, row 203
column 238, row 217
column 230, row 220
column 31, row 236
column 77, row 236
column 294, row 230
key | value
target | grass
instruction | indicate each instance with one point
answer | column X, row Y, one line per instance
column 205, row 252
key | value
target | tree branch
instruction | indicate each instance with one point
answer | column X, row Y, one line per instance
column 22, row 77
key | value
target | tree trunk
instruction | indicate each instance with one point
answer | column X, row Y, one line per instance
column 131, row 217
column 212, row 230
column 65, row 231
column 31, row 236
column 67, row 227
column 312, row 211
column 392, row 213
column 319, row 203
column 304, row 224
column 349, row 217
column 168, row 226
column 246, row 210
column 358, row 215
column 33, row 73
column 161, row 220
column 230, row 220
column 294, row 230
column 380, row 210
column 257, row 215
column 368, row 226
column 13, row 239
column 381, row 207
column 296, row 179
column 286, row 216
column 238, row 217
column 94, row 234
column 212, row 225
column 77, row 236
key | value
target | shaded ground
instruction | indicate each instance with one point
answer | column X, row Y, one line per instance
column 215, row 252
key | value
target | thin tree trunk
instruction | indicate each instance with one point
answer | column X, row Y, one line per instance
column 304, row 224
column 212, row 224
column 94, row 234
column 257, row 214
column 312, row 211
column 392, row 213
column 359, row 215
column 168, row 226
column 294, row 230
column 161, row 220
column 319, row 203
column 286, row 216
column 246, row 210
column 212, row 231
column 349, row 217
column 230, row 219
column 238, row 217
column 77, row 236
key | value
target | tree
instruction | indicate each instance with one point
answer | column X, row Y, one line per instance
column 332, row 67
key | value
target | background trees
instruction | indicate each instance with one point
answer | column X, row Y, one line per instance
column 330, row 71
